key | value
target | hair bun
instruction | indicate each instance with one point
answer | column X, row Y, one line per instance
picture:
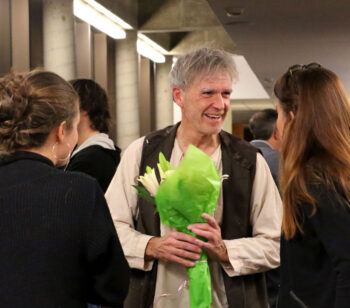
column 13, row 97
column 13, row 110
column 31, row 105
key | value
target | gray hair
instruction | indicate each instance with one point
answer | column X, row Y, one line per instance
column 201, row 61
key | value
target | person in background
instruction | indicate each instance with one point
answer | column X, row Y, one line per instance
column 262, row 125
column 244, row 234
column 314, row 122
column 95, row 153
column 58, row 243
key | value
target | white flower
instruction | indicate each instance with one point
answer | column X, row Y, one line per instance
column 164, row 174
column 150, row 181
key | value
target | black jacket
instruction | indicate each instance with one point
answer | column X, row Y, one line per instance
column 98, row 162
column 58, row 243
column 315, row 266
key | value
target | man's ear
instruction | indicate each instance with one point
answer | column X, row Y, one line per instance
column 178, row 96
column 60, row 131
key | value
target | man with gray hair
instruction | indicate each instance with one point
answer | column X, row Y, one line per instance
column 242, row 237
column 262, row 125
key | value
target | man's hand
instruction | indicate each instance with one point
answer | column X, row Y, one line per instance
column 176, row 247
column 215, row 246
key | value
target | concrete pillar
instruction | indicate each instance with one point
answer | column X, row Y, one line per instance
column 128, row 128
column 20, row 35
column 36, row 34
column 5, row 37
column 111, row 86
column 58, row 29
column 164, row 99
column 146, row 96
column 100, row 59
column 83, row 49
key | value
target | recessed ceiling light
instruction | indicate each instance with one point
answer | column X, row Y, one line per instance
column 234, row 11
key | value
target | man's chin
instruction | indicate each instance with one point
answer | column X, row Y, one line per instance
column 213, row 130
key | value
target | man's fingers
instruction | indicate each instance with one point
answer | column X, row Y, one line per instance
column 184, row 241
column 183, row 237
column 210, row 236
column 211, row 220
column 185, row 254
column 176, row 259
column 188, row 246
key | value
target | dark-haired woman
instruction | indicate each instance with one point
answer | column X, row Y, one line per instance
column 314, row 120
column 96, row 154
column 58, row 244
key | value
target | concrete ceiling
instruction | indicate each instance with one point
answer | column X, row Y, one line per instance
column 179, row 25
column 271, row 34
column 275, row 34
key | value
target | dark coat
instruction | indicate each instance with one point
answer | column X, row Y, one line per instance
column 98, row 162
column 58, row 243
column 271, row 156
column 239, row 161
column 315, row 265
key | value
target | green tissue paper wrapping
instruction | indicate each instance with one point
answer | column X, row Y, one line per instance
column 191, row 190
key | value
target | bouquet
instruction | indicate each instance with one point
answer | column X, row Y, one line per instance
column 181, row 198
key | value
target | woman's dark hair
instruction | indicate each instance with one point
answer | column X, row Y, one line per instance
column 93, row 100
column 316, row 140
column 31, row 105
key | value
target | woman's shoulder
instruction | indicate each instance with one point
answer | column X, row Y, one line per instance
column 330, row 199
column 76, row 180
column 95, row 154
column 321, row 190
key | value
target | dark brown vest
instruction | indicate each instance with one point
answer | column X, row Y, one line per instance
column 239, row 162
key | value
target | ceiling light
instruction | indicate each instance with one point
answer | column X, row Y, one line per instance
column 234, row 11
column 150, row 49
column 109, row 14
column 97, row 19
column 153, row 44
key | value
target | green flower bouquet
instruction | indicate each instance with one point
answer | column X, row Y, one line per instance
column 183, row 195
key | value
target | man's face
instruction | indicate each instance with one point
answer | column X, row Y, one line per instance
column 205, row 102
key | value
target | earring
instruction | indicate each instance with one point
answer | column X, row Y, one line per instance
column 54, row 150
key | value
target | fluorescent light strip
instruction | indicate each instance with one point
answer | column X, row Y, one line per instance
column 152, row 43
column 97, row 20
column 109, row 14
column 149, row 52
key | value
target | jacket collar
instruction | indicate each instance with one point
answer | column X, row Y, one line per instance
column 20, row 155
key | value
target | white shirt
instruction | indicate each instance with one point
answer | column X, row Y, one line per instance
column 247, row 255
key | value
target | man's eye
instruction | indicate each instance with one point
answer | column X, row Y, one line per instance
column 226, row 94
column 207, row 92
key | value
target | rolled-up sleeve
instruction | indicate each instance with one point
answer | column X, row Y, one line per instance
column 122, row 201
column 261, row 251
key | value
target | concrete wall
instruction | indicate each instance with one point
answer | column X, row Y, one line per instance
column 58, row 31
column 163, row 95
column 127, row 110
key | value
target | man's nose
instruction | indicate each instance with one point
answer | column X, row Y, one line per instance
column 219, row 102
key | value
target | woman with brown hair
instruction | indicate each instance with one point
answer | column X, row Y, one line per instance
column 58, row 244
column 314, row 122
